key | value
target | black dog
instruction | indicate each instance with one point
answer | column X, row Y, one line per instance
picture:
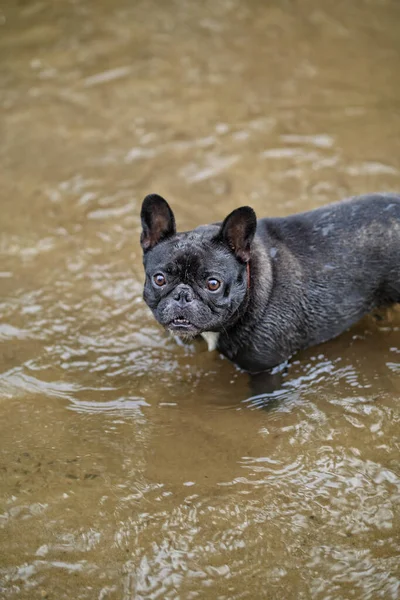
column 258, row 291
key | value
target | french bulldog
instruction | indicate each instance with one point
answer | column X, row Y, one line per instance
column 260, row 290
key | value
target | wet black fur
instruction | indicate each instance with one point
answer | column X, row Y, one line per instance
column 312, row 275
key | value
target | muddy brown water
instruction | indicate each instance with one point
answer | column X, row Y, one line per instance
column 132, row 467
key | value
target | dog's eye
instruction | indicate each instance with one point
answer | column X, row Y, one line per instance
column 213, row 284
column 159, row 279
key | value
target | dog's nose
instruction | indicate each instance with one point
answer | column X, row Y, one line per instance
column 183, row 295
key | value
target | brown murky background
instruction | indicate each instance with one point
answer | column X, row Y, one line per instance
column 132, row 467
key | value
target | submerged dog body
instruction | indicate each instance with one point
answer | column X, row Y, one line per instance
column 262, row 290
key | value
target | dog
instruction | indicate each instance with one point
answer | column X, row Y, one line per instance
column 260, row 290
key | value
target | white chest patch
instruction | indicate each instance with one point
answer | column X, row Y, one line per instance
column 211, row 338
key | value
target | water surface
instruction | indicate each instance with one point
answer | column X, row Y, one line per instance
column 132, row 467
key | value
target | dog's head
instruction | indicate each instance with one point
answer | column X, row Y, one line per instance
column 195, row 281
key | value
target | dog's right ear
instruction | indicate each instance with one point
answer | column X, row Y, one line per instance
column 158, row 221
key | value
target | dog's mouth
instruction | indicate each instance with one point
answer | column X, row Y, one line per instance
column 181, row 325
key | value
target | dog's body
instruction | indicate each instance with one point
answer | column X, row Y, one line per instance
column 284, row 283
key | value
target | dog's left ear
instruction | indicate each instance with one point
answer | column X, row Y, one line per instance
column 158, row 221
column 237, row 231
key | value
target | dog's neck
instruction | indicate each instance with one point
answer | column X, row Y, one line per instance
column 211, row 337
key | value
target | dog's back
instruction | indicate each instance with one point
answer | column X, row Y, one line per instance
column 356, row 241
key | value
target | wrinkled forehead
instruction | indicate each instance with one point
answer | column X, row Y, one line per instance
column 188, row 253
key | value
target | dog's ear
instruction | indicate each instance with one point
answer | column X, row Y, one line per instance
column 237, row 231
column 158, row 221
